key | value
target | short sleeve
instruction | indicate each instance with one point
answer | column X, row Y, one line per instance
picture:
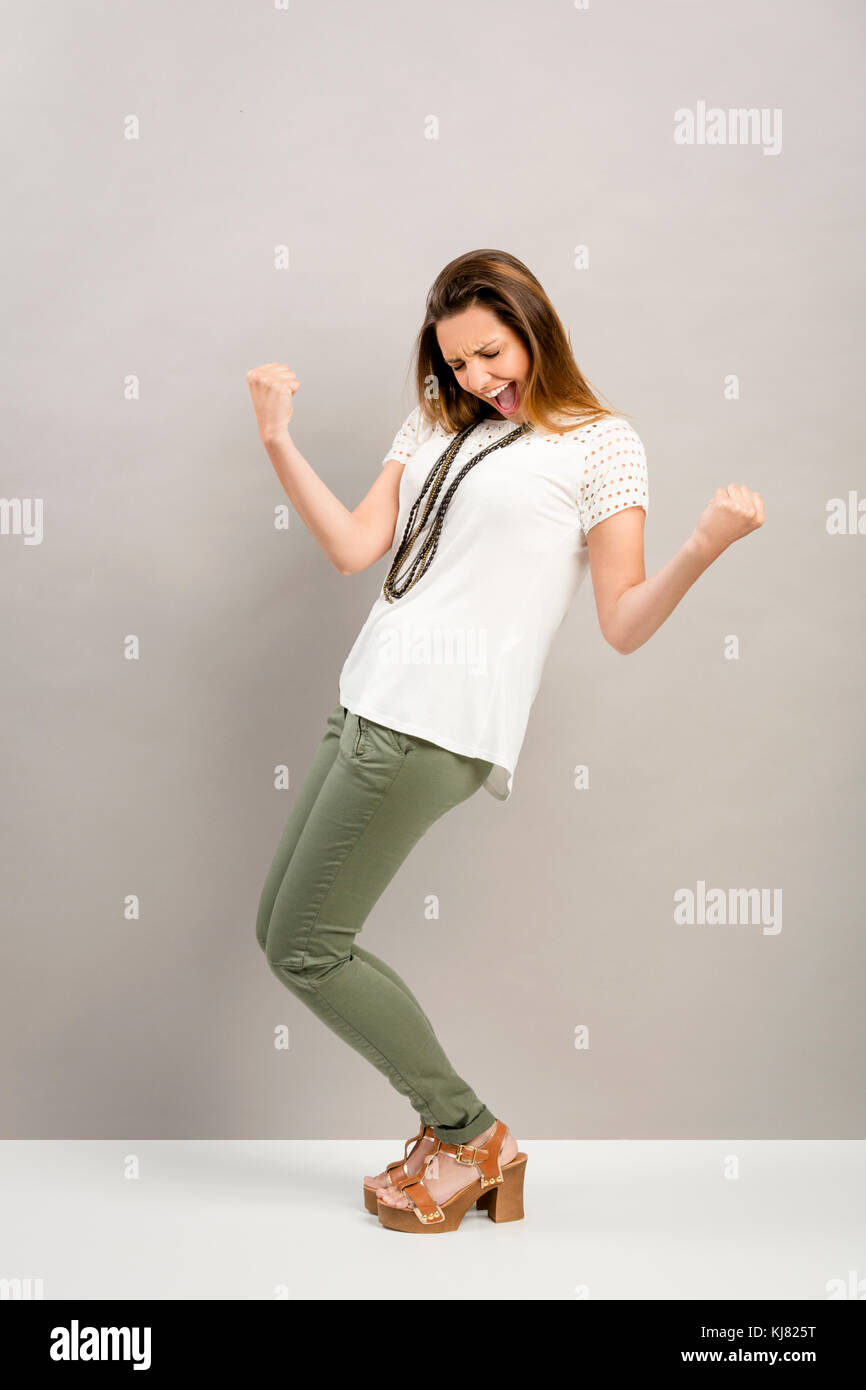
column 407, row 438
column 614, row 472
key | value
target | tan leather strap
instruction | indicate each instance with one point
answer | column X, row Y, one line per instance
column 424, row 1132
column 399, row 1166
column 486, row 1158
column 413, row 1140
column 426, row 1210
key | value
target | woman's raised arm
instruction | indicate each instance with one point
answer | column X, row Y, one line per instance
column 630, row 607
column 351, row 539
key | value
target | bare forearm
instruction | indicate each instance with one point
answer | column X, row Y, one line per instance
column 332, row 524
column 642, row 608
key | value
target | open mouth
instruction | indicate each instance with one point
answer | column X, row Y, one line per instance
column 507, row 399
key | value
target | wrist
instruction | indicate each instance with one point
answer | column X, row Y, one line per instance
column 273, row 441
column 701, row 550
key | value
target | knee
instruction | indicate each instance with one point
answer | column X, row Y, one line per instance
column 290, row 972
column 282, row 938
column 263, row 920
column 300, row 945
column 275, row 917
column 284, row 953
column 303, row 965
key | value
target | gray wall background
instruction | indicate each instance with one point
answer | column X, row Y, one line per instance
column 154, row 258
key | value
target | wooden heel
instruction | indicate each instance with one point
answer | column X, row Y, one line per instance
column 506, row 1202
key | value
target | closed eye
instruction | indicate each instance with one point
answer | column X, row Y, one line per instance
column 459, row 367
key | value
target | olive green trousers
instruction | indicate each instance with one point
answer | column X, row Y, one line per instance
column 368, row 797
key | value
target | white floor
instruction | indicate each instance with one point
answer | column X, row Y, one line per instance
column 263, row 1220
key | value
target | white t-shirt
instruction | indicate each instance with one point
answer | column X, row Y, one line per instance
column 458, row 659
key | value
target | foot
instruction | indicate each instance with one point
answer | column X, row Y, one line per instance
column 414, row 1163
column 445, row 1176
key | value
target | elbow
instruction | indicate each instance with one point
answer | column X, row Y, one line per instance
column 620, row 644
column 352, row 566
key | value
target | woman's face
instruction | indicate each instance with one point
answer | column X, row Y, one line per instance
column 485, row 356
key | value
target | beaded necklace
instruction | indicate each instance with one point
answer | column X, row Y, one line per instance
column 436, row 477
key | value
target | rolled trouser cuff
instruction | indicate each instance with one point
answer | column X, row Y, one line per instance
column 462, row 1135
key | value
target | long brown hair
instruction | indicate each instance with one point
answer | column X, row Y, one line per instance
column 555, row 387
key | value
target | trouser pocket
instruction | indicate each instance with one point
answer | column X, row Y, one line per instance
column 359, row 736
column 370, row 736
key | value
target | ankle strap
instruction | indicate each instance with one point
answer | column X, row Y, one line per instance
column 485, row 1157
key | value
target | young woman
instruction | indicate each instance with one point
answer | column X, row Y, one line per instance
column 507, row 480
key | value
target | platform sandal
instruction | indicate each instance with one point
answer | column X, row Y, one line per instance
column 399, row 1166
column 496, row 1190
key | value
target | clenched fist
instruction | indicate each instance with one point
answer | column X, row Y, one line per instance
column 732, row 512
column 272, row 388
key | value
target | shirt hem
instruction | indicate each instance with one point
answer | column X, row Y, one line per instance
column 497, row 796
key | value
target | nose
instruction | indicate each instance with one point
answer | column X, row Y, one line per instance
column 477, row 379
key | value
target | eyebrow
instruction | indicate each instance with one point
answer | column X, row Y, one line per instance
column 449, row 360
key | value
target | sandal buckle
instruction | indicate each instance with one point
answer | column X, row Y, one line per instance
column 458, row 1157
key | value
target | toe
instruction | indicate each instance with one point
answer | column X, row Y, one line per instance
column 389, row 1198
